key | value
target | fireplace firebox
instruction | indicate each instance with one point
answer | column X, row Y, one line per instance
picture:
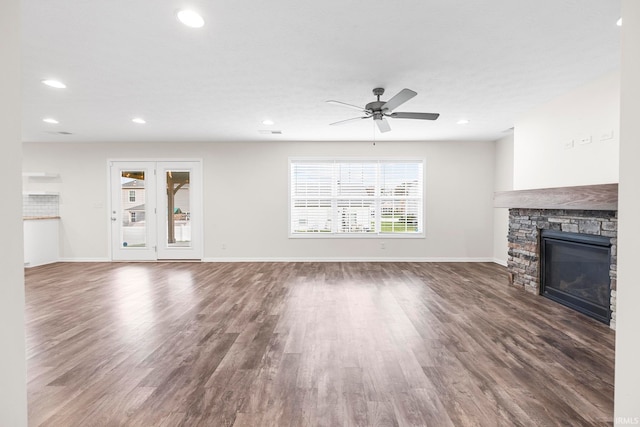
column 575, row 272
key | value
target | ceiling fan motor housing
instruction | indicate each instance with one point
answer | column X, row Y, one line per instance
column 375, row 108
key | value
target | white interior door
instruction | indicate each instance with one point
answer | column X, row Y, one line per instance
column 132, row 215
column 156, row 210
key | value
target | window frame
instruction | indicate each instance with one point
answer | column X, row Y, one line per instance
column 355, row 235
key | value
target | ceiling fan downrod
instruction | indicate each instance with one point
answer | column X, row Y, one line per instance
column 378, row 92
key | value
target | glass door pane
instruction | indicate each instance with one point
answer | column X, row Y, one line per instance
column 133, row 211
column 178, row 224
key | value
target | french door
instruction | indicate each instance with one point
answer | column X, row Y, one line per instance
column 156, row 210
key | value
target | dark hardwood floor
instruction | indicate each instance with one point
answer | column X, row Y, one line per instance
column 307, row 344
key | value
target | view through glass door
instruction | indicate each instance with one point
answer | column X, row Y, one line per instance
column 180, row 220
column 156, row 210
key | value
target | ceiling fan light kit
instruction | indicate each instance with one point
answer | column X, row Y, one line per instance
column 379, row 110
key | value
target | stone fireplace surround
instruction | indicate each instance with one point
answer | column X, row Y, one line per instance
column 585, row 209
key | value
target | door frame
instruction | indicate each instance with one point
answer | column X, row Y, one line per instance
column 197, row 191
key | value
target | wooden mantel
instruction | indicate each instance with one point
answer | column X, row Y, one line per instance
column 585, row 197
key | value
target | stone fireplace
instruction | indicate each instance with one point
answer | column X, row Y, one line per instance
column 525, row 227
column 580, row 211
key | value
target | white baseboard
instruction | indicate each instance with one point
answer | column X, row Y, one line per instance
column 307, row 259
column 502, row 262
column 84, row 260
column 311, row 259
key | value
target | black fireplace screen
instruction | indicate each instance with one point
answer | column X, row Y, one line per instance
column 575, row 272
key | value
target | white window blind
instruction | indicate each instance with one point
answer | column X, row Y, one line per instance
column 337, row 197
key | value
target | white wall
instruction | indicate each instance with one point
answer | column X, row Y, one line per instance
column 503, row 181
column 542, row 157
column 627, row 377
column 253, row 177
column 13, row 376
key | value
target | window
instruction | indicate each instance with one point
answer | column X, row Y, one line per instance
column 352, row 197
column 132, row 195
column 133, row 217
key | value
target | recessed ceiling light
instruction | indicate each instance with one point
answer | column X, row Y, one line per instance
column 54, row 83
column 139, row 120
column 462, row 122
column 619, row 23
column 190, row 18
column 50, row 120
column 268, row 122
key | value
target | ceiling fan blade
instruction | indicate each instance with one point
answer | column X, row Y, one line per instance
column 401, row 97
column 342, row 122
column 419, row 116
column 383, row 125
column 344, row 104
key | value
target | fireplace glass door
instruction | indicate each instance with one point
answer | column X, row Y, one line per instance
column 575, row 272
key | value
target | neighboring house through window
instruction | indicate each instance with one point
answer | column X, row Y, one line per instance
column 132, row 195
column 340, row 197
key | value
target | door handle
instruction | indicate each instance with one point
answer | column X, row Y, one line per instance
column 114, row 218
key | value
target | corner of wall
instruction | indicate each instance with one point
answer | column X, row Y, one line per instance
column 502, row 181
column 13, row 371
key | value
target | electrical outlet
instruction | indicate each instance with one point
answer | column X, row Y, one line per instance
column 605, row 136
column 585, row 140
column 382, row 245
column 223, row 246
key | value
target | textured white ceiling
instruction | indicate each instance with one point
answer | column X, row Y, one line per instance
column 485, row 60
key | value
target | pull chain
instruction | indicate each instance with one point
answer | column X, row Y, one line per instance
column 373, row 124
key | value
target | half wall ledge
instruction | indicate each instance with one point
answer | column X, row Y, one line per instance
column 584, row 197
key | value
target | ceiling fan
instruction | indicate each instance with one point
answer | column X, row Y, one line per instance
column 378, row 110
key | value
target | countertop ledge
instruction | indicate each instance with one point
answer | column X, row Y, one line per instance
column 32, row 218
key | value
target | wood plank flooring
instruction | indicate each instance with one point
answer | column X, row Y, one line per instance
column 307, row 344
